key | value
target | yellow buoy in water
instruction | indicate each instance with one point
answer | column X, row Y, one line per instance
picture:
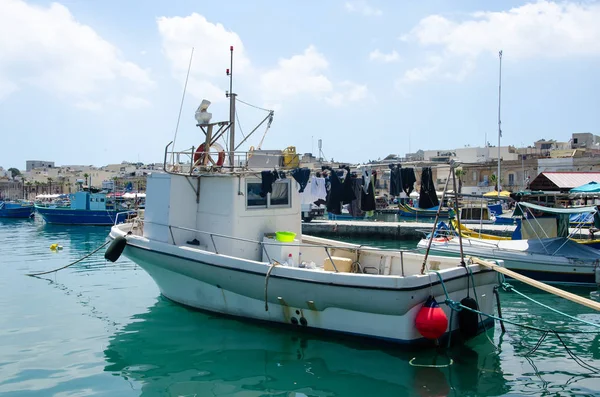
column 55, row 247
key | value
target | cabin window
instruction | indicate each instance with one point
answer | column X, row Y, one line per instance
column 279, row 197
column 253, row 196
column 281, row 194
column 101, row 200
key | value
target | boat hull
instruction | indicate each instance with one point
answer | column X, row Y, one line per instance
column 22, row 212
column 67, row 216
column 546, row 268
column 329, row 301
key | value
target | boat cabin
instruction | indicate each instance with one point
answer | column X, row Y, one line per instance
column 85, row 200
column 223, row 212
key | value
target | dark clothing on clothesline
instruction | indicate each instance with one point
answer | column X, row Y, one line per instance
column 301, row 175
column 354, row 207
column 367, row 200
column 408, row 180
column 334, row 196
column 428, row 196
column 268, row 178
column 347, row 191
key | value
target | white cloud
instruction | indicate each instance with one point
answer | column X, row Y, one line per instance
column 537, row 30
column 383, row 57
column 363, row 8
column 49, row 49
column 347, row 92
column 305, row 74
column 211, row 58
column 299, row 75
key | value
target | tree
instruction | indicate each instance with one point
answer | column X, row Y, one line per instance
column 86, row 176
column 494, row 180
column 28, row 183
column 14, row 172
column 460, row 173
column 50, row 185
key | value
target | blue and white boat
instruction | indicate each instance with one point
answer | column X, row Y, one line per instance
column 86, row 208
column 541, row 247
column 9, row 209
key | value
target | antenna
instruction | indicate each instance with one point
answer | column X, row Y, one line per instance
column 181, row 105
column 231, row 97
column 499, row 122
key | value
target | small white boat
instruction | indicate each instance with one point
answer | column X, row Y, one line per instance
column 556, row 259
column 208, row 239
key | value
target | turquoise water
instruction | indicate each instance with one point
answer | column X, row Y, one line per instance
column 102, row 329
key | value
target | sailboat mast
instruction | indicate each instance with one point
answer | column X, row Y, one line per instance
column 499, row 122
column 231, row 112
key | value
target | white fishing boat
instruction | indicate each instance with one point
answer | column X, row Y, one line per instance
column 546, row 252
column 221, row 235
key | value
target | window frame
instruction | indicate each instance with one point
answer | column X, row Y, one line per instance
column 268, row 204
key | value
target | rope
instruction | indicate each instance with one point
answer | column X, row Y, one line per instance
column 71, row 264
column 477, row 301
column 412, row 363
column 510, row 288
column 457, row 306
column 275, row 263
column 253, row 106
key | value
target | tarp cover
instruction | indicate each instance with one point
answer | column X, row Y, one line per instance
column 557, row 211
column 592, row 187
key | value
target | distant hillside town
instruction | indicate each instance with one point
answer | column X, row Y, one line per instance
column 521, row 168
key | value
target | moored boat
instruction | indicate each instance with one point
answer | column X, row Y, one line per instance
column 541, row 248
column 224, row 260
column 221, row 236
column 16, row 209
column 84, row 208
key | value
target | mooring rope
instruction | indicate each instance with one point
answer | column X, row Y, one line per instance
column 510, row 288
column 73, row 263
column 457, row 306
column 275, row 263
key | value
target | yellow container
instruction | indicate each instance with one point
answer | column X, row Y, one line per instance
column 285, row 237
column 343, row 265
column 290, row 158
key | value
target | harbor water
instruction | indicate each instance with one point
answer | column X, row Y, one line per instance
column 102, row 329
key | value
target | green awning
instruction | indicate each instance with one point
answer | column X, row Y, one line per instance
column 519, row 210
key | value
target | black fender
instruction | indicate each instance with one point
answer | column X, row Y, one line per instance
column 115, row 249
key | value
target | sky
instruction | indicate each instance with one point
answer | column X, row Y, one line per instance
column 100, row 82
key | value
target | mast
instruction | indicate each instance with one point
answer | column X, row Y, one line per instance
column 231, row 97
column 499, row 122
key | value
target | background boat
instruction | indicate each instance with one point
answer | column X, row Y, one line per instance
column 9, row 209
column 85, row 208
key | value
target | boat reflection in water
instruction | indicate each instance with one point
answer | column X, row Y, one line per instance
column 171, row 350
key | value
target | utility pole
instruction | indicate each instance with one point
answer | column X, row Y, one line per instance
column 522, row 168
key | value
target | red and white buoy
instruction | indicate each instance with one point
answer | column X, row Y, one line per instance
column 431, row 321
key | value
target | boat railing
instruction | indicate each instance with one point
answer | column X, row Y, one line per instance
column 137, row 222
column 191, row 161
column 132, row 215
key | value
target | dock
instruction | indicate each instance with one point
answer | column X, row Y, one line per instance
column 389, row 230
